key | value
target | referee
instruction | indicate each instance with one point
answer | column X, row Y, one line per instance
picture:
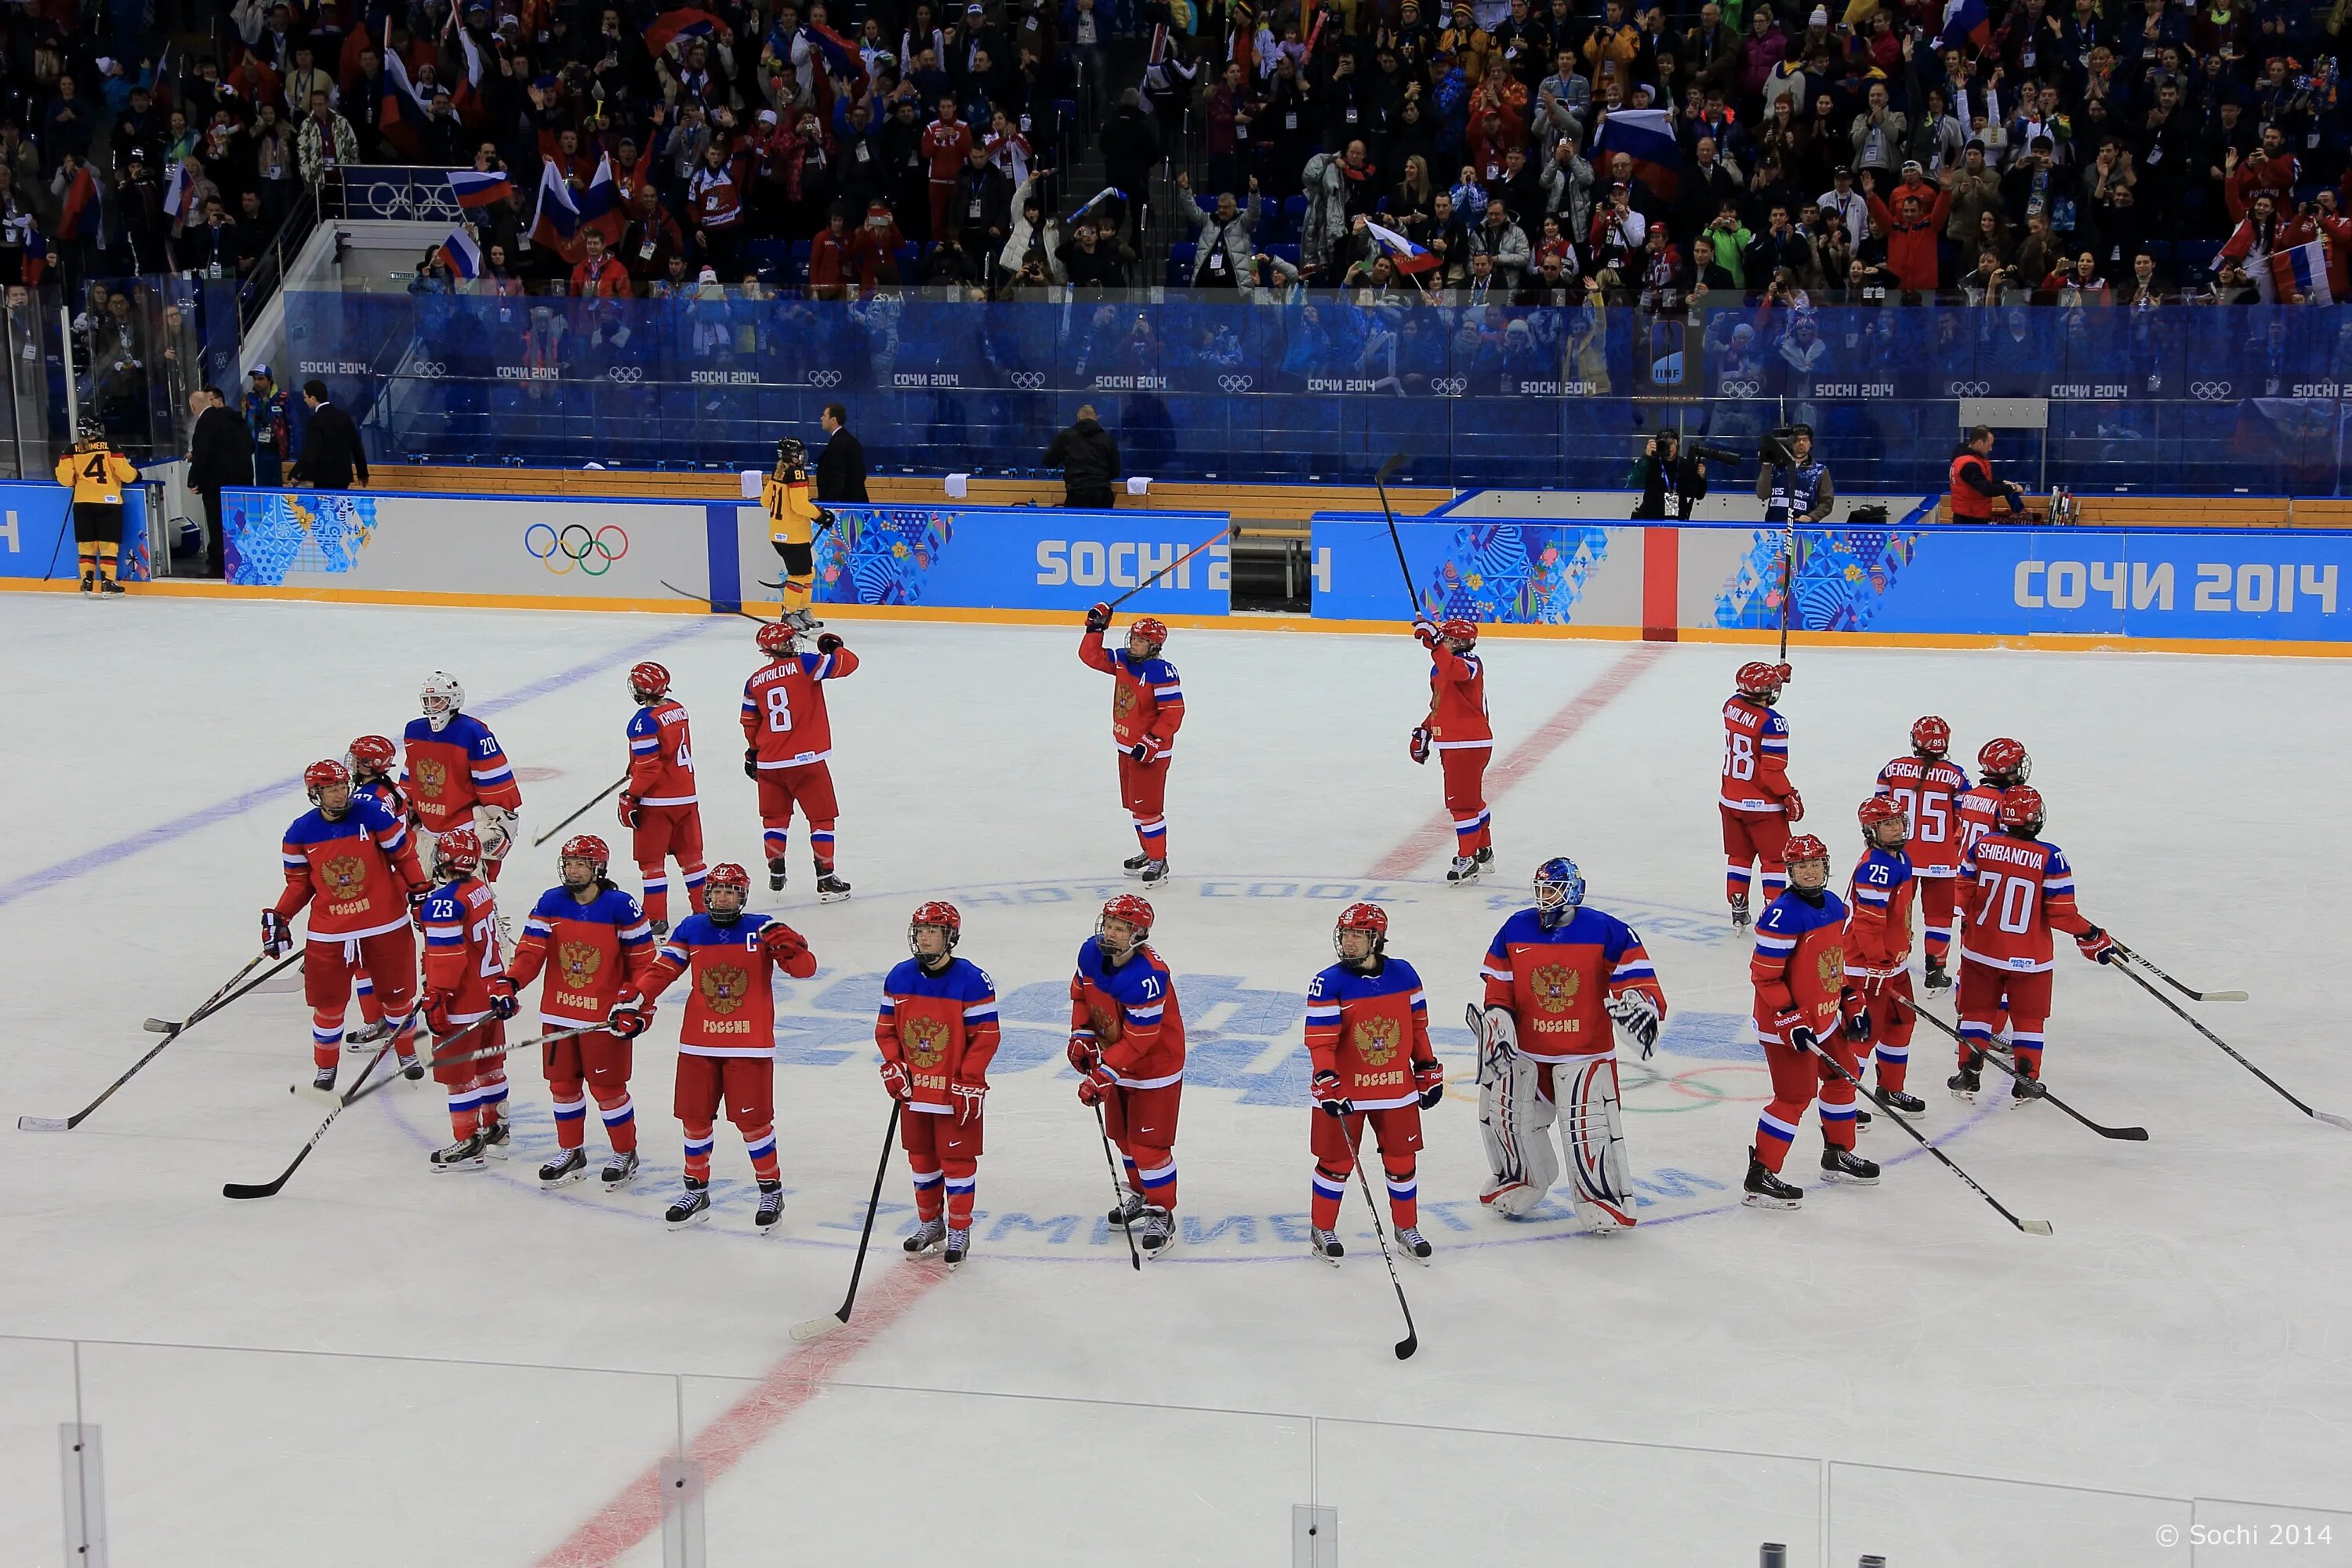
column 97, row 473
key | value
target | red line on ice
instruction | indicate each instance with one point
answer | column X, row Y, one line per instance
column 1437, row 833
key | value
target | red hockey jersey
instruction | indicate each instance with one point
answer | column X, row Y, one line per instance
column 730, row 1007
column 1755, row 757
column 2023, row 888
column 784, row 708
column 1929, row 789
column 942, row 1026
column 1457, row 700
column 1878, row 923
column 1799, row 964
column 353, row 872
column 1556, row 982
column 461, row 946
column 1370, row 1029
column 1147, row 700
column 1132, row 1012
column 447, row 772
column 661, row 756
column 592, row 952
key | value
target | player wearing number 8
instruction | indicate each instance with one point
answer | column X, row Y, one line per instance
column 788, row 736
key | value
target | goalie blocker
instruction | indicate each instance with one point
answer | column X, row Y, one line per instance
column 1559, row 976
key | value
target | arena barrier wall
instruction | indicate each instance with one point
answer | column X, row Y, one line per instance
column 37, row 532
column 1914, row 579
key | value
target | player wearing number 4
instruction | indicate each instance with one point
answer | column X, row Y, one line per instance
column 1758, row 803
column 1458, row 731
column 1558, row 975
column 937, row 1030
column 787, row 735
column 1368, row 1034
column 657, row 806
column 1806, row 1016
column 1146, row 704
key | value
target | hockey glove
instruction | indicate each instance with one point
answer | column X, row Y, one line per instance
column 787, row 950
column 628, row 1018
column 2096, row 945
column 1857, row 1016
column 828, row 643
column 1141, row 751
column 436, row 1010
column 1638, row 1017
column 895, row 1080
column 502, row 998
column 1327, row 1097
column 1083, row 1052
column 825, row 519
column 1424, row 632
column 967, row 1092
column 1098, row 617
column 630, row 814
column 497, row 825
column 1795, row 805
column 1097, row 1085
column 750, row 761
column 276, row 936
column 1418, row 747
column 1429, row 1078
column 1789, row 1024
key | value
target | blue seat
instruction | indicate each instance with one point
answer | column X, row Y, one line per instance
column 1180, row 263
column 1294, row 213
column 1287, row 252
column 2193, row 259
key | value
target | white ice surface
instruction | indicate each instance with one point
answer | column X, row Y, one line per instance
column 282, row 1382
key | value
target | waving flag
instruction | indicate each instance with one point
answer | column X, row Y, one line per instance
column 78, row 218
column 558, row 216
column 600, row 204
column 476, row 190
column 401, row 114
column 464, row 256
column 1409, row 258
column 1969, row 27
column 1646, row 136
column 841, row 56
column 467, row 98
column 2301, row 270
column 175, row 190
column 686, row 22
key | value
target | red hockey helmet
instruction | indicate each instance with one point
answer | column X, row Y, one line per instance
column 1878, row 811
column 1151, row 629
column 1803, row 846
column 727, row 874
column 589, row 847
column 1459, row 629
column 1757, row 679
column 937, row 913
column 648, row 681
column 1369, row 919
column 2021, row 811
column 2005, row 759
column 375, row 754
column 457, row 852
column 1135, row 911
column 1930, row 736
column 320, row 773
column 775, row 639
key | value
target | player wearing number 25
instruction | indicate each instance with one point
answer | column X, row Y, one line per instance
column 787, row 738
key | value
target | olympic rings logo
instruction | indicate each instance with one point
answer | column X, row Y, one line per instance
column 2208, row 390
column 626, row 373
column 1449, row 385
column 1741, row 388
column 1236, row 383
column 1970, row 388
column 428, row 368
column 1028, row 380
column 576, row 545
column 826, row 378
column 414, row 200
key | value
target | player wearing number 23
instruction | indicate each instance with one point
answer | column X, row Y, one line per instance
column 459, row 918
column 787, row 737
column 2021, row 888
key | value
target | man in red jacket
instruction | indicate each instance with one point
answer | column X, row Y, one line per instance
column 1912, row 226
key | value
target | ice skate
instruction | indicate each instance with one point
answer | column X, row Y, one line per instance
column 1766, row 1190
column 693, row 1205
column 1327, row 1245
column 771, row 1206
column 1413, row 1242
column 620, row 1170
column 926, row 1238
column 569, row 1165
column 1845, row 1165
column 463, row 1155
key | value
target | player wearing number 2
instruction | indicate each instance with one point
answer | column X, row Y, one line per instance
column 1758, row 803
column 1928, row 784
column 657, row 805
column 787, row 735
column 2022, row 890
column 1807, row 1017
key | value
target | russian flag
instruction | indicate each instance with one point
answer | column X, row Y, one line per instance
column 464, row 256
column 841, row 56
column 36, row 251
column 557, row 219
column 1410, row 258
column 1968, row 26
column 401, row 115
column 686, row 21
column 1646, row 136
column 78, row 218
column 475, row 190
column 467, row 98
column 600, row 204
column 2303, row 270
column 175, row 190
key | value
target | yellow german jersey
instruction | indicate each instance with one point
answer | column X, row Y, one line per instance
column 98, row 475
column 792, row 516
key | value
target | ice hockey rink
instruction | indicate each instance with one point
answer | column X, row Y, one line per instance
column 384, row 1366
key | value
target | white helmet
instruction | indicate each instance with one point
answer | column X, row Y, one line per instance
column 442, row 698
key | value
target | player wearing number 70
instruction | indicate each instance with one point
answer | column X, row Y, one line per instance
column 788, row 737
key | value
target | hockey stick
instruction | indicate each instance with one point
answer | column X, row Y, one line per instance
column 2039, row 1091
column 815, row 1327
column 165, row 1026
column 1171, row 566
column 2193, row 995
column 1118, row 1192
column 1788, row 580
column 1380, row 485
column 330, row 1097
column 576, row 816
column 2329, row 1117
column 1411, row 1340
column 2030, row 1227
column 358, row 1091
column 49, row 1124
column 714, row 608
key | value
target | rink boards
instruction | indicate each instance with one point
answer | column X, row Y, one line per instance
column 1911, row 581
column 36, row 533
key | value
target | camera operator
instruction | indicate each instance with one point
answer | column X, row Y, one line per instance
column 1668, row 477
column 1793, row 484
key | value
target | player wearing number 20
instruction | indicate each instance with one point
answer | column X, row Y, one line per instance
column 460, row 917
column 787, row 737
column 2022, row 889
column 1558, row 975
column 1367, row 1036
column 1758, row 803
column 937, row 1030
column 456, row 771
column 657, row 805
column 1806, row 1016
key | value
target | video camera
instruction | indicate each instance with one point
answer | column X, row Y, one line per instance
column 1705, row 452
column 1778, row 446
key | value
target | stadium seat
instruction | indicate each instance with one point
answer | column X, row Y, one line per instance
column 1294, row 213
column 2193, row 259
column 1180, row 263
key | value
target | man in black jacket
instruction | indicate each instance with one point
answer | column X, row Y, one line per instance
column 220, row 453
column 841, row 467
column 1088, row 458
column 1668, row 479
column 333, row 457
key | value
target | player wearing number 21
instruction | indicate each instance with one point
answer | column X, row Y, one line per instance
column 787, row 738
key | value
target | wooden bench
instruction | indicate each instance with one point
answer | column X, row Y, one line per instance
column 2189, row 511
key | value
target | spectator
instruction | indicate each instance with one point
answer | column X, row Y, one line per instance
column 599, row 275
column 841, row 467
column 266, row 421
column 220, row 453
column 1912, row 228
column 1223, row 250
column 1088, row 458
column 326, row 141
column 333, row 455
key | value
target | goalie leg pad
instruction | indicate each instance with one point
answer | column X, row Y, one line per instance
column 1592, row 1138
column 1514, row 1118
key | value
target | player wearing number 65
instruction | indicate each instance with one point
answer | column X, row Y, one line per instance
column 787, row 738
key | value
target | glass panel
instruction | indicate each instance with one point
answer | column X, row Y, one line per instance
column 38, row 1375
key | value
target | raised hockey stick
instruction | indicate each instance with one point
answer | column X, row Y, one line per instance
column 576, row 816
column 816, row 1327
column 2030, row 1227
column 172, row 1032
column 1118, row 1192
column 1171, row 566
column 165, row 1026
column 2039, row 1091
column 739, row 610
column 2329, row 1117
column 1381, row 487
column 1411, row 1340
column 1788, row 580
column 2194, row 995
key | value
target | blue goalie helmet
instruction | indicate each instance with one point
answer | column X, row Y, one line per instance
column 1559, row 887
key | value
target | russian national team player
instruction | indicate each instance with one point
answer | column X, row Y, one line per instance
column 1758, row 802
column 456, row 771
column 1367, row 1036
column 595, row 946
column 1458, row 731
column 460, row 917
column 1127, row 1040
column 354, row 864
column 1878, row 944
column 937, row 1032
column 1928, row 784
column 727, row 1041
column 787, row 736
column 659, row 805
column 1558, row 976
column 1806, row 1016
column 372, row 760
column 1147, row 705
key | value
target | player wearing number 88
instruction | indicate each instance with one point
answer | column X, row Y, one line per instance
column 788, row 736
column 1367, row 1036
column 1759, row 804
column 2020, row 889
column 1927, row 786
column 657, row 805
